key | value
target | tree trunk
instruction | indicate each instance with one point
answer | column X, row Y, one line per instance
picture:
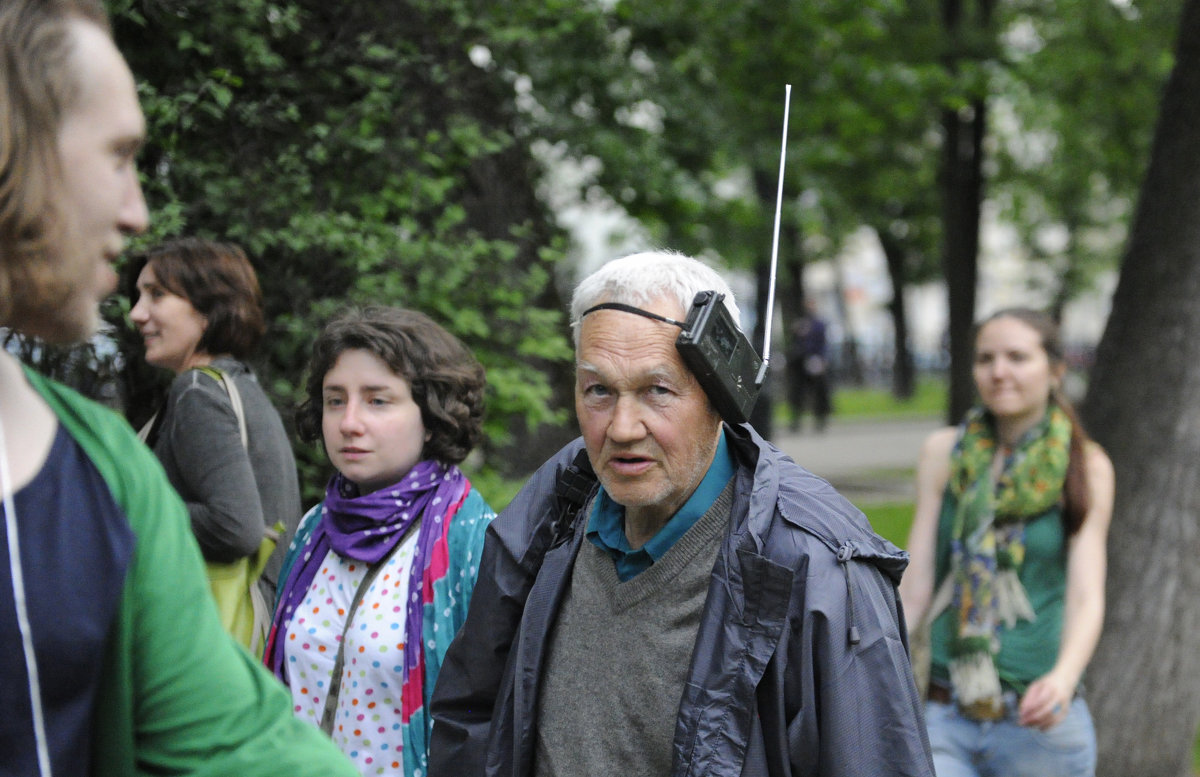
column 903, row 377
column 962, row 192
column 1144, row 407
column 500, row 195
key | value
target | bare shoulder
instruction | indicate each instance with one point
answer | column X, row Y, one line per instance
column 1101, row 482
column 1099, row 466
column 939, row 444
column 933, row 465
column 1101, row 493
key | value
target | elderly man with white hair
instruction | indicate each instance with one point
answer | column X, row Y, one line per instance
column 671, row 594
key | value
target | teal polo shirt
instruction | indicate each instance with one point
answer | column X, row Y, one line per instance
column 606, row 526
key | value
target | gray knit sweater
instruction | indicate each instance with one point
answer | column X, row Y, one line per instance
column 231, row 493
column 619, row 657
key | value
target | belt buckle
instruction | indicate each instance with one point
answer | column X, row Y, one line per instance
column 984, row 710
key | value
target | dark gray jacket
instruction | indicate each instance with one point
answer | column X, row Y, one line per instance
column 800, row 665
column 231, row 493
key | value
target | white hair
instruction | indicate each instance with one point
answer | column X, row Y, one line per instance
column 639, row 279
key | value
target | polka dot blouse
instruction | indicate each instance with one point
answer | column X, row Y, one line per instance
column 367, row 724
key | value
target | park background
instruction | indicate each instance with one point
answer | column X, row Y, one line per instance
column 469, row 159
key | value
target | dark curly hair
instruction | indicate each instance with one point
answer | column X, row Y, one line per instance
column 220, row 283
column 446, row 380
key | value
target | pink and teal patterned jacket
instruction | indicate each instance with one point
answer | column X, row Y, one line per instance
column 447, row 589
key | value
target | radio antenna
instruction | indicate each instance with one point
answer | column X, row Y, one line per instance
column 766, row 352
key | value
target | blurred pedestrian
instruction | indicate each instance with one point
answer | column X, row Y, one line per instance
column 112, row 660
column 808, row 369
column 1008, row 563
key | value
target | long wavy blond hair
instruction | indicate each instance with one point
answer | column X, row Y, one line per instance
column 37, row 86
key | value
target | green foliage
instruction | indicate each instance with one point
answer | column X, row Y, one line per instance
column 496, row 490
column 359, row 156
column 1079, row 95
column 382, row 151
column 890, row 520
column 677, row 106
column 928, row 400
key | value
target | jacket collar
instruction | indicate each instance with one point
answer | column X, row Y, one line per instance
column 808, row 502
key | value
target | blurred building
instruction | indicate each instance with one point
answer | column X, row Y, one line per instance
column 1007, row 278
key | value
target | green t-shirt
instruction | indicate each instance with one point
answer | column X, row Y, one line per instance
column 1029, row 649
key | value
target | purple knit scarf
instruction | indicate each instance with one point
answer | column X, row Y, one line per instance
column 367, row 528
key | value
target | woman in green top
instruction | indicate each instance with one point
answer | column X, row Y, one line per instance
column 1008, row 562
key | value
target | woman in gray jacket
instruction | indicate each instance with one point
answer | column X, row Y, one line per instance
column 199, row 313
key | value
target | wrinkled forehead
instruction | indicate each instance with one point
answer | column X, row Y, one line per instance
column 619, row 346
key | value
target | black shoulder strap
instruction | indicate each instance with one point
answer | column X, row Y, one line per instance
column 576, row 481
column 555, row 522
column 573, row 488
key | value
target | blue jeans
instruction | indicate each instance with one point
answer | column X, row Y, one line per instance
column 1004, row 748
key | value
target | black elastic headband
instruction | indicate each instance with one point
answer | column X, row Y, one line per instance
column 635, row 311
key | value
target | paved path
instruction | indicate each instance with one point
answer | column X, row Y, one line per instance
column 865, row 460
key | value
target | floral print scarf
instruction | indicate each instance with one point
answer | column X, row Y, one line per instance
column 987, row 546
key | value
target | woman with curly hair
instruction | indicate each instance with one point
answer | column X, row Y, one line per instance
column 379, row 576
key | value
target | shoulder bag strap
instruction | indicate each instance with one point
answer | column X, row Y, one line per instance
column 235, row 398
column 335, row 682
column 272, row 533
column 574, row 487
